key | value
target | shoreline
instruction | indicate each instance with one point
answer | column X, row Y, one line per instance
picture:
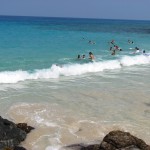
column 112, row 141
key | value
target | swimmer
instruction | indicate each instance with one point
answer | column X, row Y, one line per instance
column 110, row 48
column 113, row 53
column 144, row 51
column 78, row 56
column 83, row 56
column 145, row 54
column 136, row 48
column 130, row 42
column 117, row 48
column 91, row 56
column 112, row 42
column 91, row 42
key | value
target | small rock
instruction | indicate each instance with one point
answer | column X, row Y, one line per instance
column 24, row 127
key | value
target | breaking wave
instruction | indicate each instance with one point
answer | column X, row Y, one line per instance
column 72, row 69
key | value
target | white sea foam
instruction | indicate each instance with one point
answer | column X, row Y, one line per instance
column 72, row 69
column 136, row 60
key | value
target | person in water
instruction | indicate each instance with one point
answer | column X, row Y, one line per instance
column 137, row 50
column 130, row 42
column 91, row 56
column 79, row 57
column 117, row 48
column 83, row 56
column 112, row 42
column 145, row 54
column 110, row 48
column 113, row 53
column 91, row 42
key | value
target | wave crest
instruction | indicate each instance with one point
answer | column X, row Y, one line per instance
column 73, row 69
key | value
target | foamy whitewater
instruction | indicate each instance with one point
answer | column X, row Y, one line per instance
column 70, row 100
column 56, row 71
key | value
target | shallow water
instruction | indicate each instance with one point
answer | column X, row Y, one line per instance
column 81, row 109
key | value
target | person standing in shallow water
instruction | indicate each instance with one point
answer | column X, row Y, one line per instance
column 91, row 56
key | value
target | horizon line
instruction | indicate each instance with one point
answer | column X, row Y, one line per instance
column 73, row 17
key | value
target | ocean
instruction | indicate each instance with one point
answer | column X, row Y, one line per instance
column 70, row 100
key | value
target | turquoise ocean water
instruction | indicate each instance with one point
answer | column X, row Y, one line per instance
column 70, row 100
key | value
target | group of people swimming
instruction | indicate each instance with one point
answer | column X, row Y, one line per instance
column 91, row 56
column 113, row 48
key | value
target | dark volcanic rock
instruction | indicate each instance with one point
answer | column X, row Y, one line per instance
column 24, row 127
column 122, row 140
column 10, row 135
column 16, row 148
column 115, row 140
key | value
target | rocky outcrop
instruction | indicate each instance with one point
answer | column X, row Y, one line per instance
column 115, row 140
column 24, row 127
column 11, row 134
column 119, row 139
